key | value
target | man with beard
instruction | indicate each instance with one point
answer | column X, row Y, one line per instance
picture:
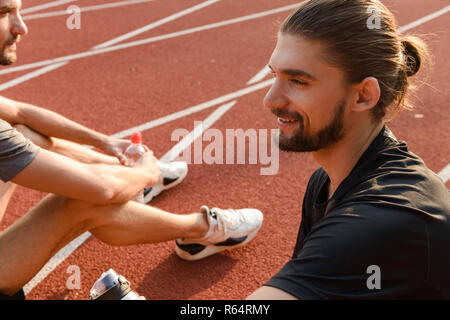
column 91, row 191
column 375, row 220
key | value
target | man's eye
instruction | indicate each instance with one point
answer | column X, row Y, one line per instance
column 298, row 82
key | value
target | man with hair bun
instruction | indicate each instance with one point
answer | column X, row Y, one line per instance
column 375, row 220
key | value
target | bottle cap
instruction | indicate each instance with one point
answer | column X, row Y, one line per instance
column 136, row 137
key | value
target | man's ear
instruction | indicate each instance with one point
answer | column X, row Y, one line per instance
column 367, row 94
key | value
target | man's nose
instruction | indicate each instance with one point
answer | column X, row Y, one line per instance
column 275, row 97
column 18, row 26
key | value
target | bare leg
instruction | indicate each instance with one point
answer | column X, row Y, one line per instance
column 6, row 191
column 32, row 240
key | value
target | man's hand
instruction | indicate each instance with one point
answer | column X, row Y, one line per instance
column 116, row 148
column 150, row 166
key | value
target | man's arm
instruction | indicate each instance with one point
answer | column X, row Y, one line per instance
column 94, row 183
column 51, row 124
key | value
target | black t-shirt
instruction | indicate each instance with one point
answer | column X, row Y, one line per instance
column 384, row 234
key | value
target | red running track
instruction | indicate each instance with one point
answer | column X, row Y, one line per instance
column 114, row 91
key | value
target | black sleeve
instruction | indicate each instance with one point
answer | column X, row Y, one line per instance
column 335, row 261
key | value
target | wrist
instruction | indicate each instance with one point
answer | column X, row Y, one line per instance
column 101, row 141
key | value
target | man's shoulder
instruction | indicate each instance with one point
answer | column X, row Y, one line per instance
column 401, row 187
column 393, row 176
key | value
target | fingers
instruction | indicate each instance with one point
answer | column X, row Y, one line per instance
column 122, row 159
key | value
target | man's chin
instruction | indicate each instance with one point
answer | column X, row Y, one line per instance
column 293, row 144
column 6, row 60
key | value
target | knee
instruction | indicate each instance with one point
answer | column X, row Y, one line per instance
column 36, row 137
column 90, row 215
column 76, row 211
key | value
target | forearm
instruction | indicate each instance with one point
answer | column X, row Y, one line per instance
column 80, row 153
column 51, row 124
column 67, row 148
column 94, row 183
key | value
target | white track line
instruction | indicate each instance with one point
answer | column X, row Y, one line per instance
column 444, row 174
column 145, row 41
column 148, row 27
column 31, row 75
column 55, row 261
column 156, row 24
column 84, row 9
column 175, row 151
column 425, row 19
column 260, row 75
column 45, row 6
column 194, row 109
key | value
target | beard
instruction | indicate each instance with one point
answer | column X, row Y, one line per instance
column 8, row 58
column 301, row 141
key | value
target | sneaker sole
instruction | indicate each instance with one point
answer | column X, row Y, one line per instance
column 212, row 249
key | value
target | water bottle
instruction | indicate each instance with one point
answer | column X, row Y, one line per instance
column 134, row 155
column 112, row 286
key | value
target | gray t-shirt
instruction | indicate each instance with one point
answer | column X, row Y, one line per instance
column 16, row 151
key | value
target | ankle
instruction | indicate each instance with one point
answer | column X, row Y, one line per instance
column 201, row 226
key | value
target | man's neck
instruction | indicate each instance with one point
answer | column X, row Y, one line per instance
column 339, row 159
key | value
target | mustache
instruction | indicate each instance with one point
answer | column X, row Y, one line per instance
column 281, row 113
column 14, row 39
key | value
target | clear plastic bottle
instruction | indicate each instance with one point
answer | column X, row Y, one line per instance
column 134, row 155
column 112, row 286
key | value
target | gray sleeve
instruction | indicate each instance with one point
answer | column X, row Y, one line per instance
column 16, row 151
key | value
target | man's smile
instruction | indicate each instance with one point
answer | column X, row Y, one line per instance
column 284, row 123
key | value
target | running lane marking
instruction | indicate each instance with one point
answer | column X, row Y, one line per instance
column 31, row 75
column 145, row 41
column 188, row 111
column 425, row 19
column 155, row 24
column 45, row 6
column 176, row 150
column 55, row 66
column 83, row 9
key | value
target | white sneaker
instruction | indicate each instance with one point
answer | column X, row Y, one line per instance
column 172, row 174
column 228, row 229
